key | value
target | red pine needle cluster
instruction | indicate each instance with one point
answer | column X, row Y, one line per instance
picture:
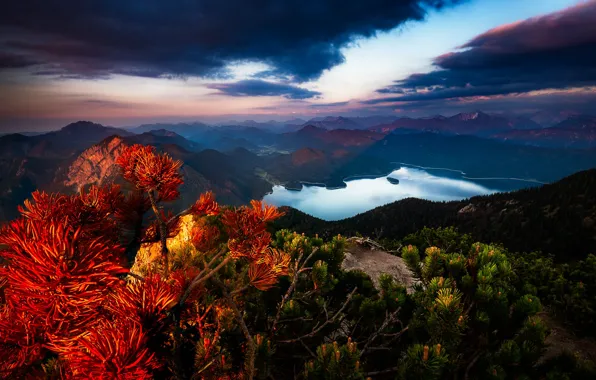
column 151, row 172
column 206, row 205
column 112, row 351
column 247, row 229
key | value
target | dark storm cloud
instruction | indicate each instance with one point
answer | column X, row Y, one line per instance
column 104, row 103
column 15, row 61
column 554, row 51
column 581, row 102
column 156, row 38
column 256, row 87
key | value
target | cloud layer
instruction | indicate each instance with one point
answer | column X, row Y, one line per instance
column 555, row 51
column 156, row 38
column 256, row 87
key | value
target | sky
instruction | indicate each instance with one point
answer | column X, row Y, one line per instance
column 124, row 63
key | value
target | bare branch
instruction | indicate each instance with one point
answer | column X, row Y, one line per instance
column 240, row 290
column 307, row 349
column 207, row 265
column 136, row 276
column 472, row 362
column 295, row 319
column 180, row 214
column 328, row 321
column 355, row 326
column 286, row 297
column 251, row 346
column 368, row 241
column 390, row 318
column 200, row 279
column 383, row 372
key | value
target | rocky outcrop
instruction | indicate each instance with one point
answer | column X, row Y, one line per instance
column 149, row 254
column 96, row 165
column 467, row 209
column 374, row 261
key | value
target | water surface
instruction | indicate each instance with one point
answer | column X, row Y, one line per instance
column 361, row 195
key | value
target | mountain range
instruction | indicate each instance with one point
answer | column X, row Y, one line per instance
column 242, row 162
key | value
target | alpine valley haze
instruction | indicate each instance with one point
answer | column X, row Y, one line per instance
column 298, row 189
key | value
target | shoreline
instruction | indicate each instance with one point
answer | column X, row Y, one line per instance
column 399, row 165
column 349, row 178
column 464, row 176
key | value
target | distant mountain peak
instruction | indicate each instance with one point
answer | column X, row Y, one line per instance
column 295, row 121
column 435, row 117
column 309, row 128
column 163, row 132
column 577, row 122
column 466, row 116
column 82, row 125
column 336, row 119
column 110, row 140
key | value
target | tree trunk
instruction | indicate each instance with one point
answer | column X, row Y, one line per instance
column 163, row 232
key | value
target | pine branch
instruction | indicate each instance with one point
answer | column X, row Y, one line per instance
column 207, row 265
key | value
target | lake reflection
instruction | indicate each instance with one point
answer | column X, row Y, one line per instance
column 361, row 195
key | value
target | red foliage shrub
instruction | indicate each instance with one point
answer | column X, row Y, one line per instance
column 57, row 276
column 63, row 296
column 132, row 209
column 94, row 210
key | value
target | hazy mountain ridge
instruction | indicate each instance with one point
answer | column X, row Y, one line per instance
column 480, row 158
column 573, row 132
column 242, row 163
column 471, row 123
column 540, row 129
column 236, row 176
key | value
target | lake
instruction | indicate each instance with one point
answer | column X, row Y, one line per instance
column 361, row 195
